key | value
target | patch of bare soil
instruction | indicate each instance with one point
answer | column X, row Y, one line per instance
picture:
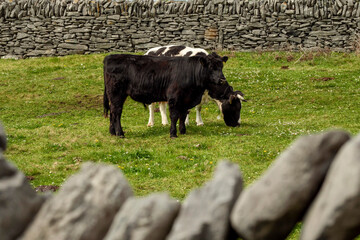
column 52, row 114
column 323, row 79
column 58, row 78
column 30, row 178
column 242, row 134
column 47, row 188
column 89, row 101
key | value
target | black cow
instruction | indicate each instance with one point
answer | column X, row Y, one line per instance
column 229, row 102
column 181, row 81
column 183, row 51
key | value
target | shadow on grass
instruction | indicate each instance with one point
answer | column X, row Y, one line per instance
column 207, row 130
column 156, row 131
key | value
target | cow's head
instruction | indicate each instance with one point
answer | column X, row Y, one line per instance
column 214, row 64
column 231, row 108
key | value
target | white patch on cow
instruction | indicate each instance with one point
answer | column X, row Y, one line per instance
column 152, row 50
column 182, row 52
column 164, row 120
column 155, row 49
column 193, row 50
column 199, row 121
column 151, row 115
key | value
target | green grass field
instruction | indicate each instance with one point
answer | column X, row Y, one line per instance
column 52, row 110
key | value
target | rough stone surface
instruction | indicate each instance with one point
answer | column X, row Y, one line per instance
column 18, row 201
column 144, row 218
column 205, row 212
column 271, row 207
column 335, row 213
column 90, row 199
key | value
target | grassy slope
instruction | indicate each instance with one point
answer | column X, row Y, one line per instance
column 52, row 112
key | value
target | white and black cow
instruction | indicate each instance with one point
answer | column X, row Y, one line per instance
column 181, row 51
column 181, row 81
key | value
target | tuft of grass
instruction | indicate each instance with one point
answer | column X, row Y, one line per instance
column 51, row 109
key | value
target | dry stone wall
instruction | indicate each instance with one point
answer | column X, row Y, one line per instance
column 316, row 181
column 30, row 28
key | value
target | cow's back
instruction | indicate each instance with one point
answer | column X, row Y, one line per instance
column 176, row 51
column 150, row 79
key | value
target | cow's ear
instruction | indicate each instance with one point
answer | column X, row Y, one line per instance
column 204, row 61
column 231, row 98
column 241, row 98
column 224, row 59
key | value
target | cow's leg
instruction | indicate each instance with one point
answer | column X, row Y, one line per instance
column 174, row 116
column 164, row 120
column 219, row 104
column 112, row 127
column 116, row 108
column 182, row 128
column 199, row 120
column 187, row 119
column 151, row 115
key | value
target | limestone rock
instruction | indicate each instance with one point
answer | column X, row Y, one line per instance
column 335, row 213
column 84, row 207
column 271, row 207
column 73, row 46
column 144, row 218
column 19, row 203
column 205, row 212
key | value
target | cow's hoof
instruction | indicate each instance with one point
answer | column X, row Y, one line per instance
column 150, row 125
column 165, row 124
column 173, row 137
column 200, row 124
column 120, row 135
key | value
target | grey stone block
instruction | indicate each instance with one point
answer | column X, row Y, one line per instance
column 205, row 212
column 73, row 46
column 271, row 207
column 144, row 218
column 90, row 198
column 335, row 213
column 19, row 203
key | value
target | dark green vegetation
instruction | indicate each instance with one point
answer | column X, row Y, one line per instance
column 52, row 111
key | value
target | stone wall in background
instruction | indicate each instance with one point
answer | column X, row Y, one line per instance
column 315, row 181
column 30, row 28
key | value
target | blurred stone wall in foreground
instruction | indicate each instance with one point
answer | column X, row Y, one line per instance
column 315, row 181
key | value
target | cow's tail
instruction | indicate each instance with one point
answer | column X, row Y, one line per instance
column 106, row 104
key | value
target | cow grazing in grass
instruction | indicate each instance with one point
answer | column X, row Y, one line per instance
column 229, row 102
column 180, row 51
column 181, row 81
